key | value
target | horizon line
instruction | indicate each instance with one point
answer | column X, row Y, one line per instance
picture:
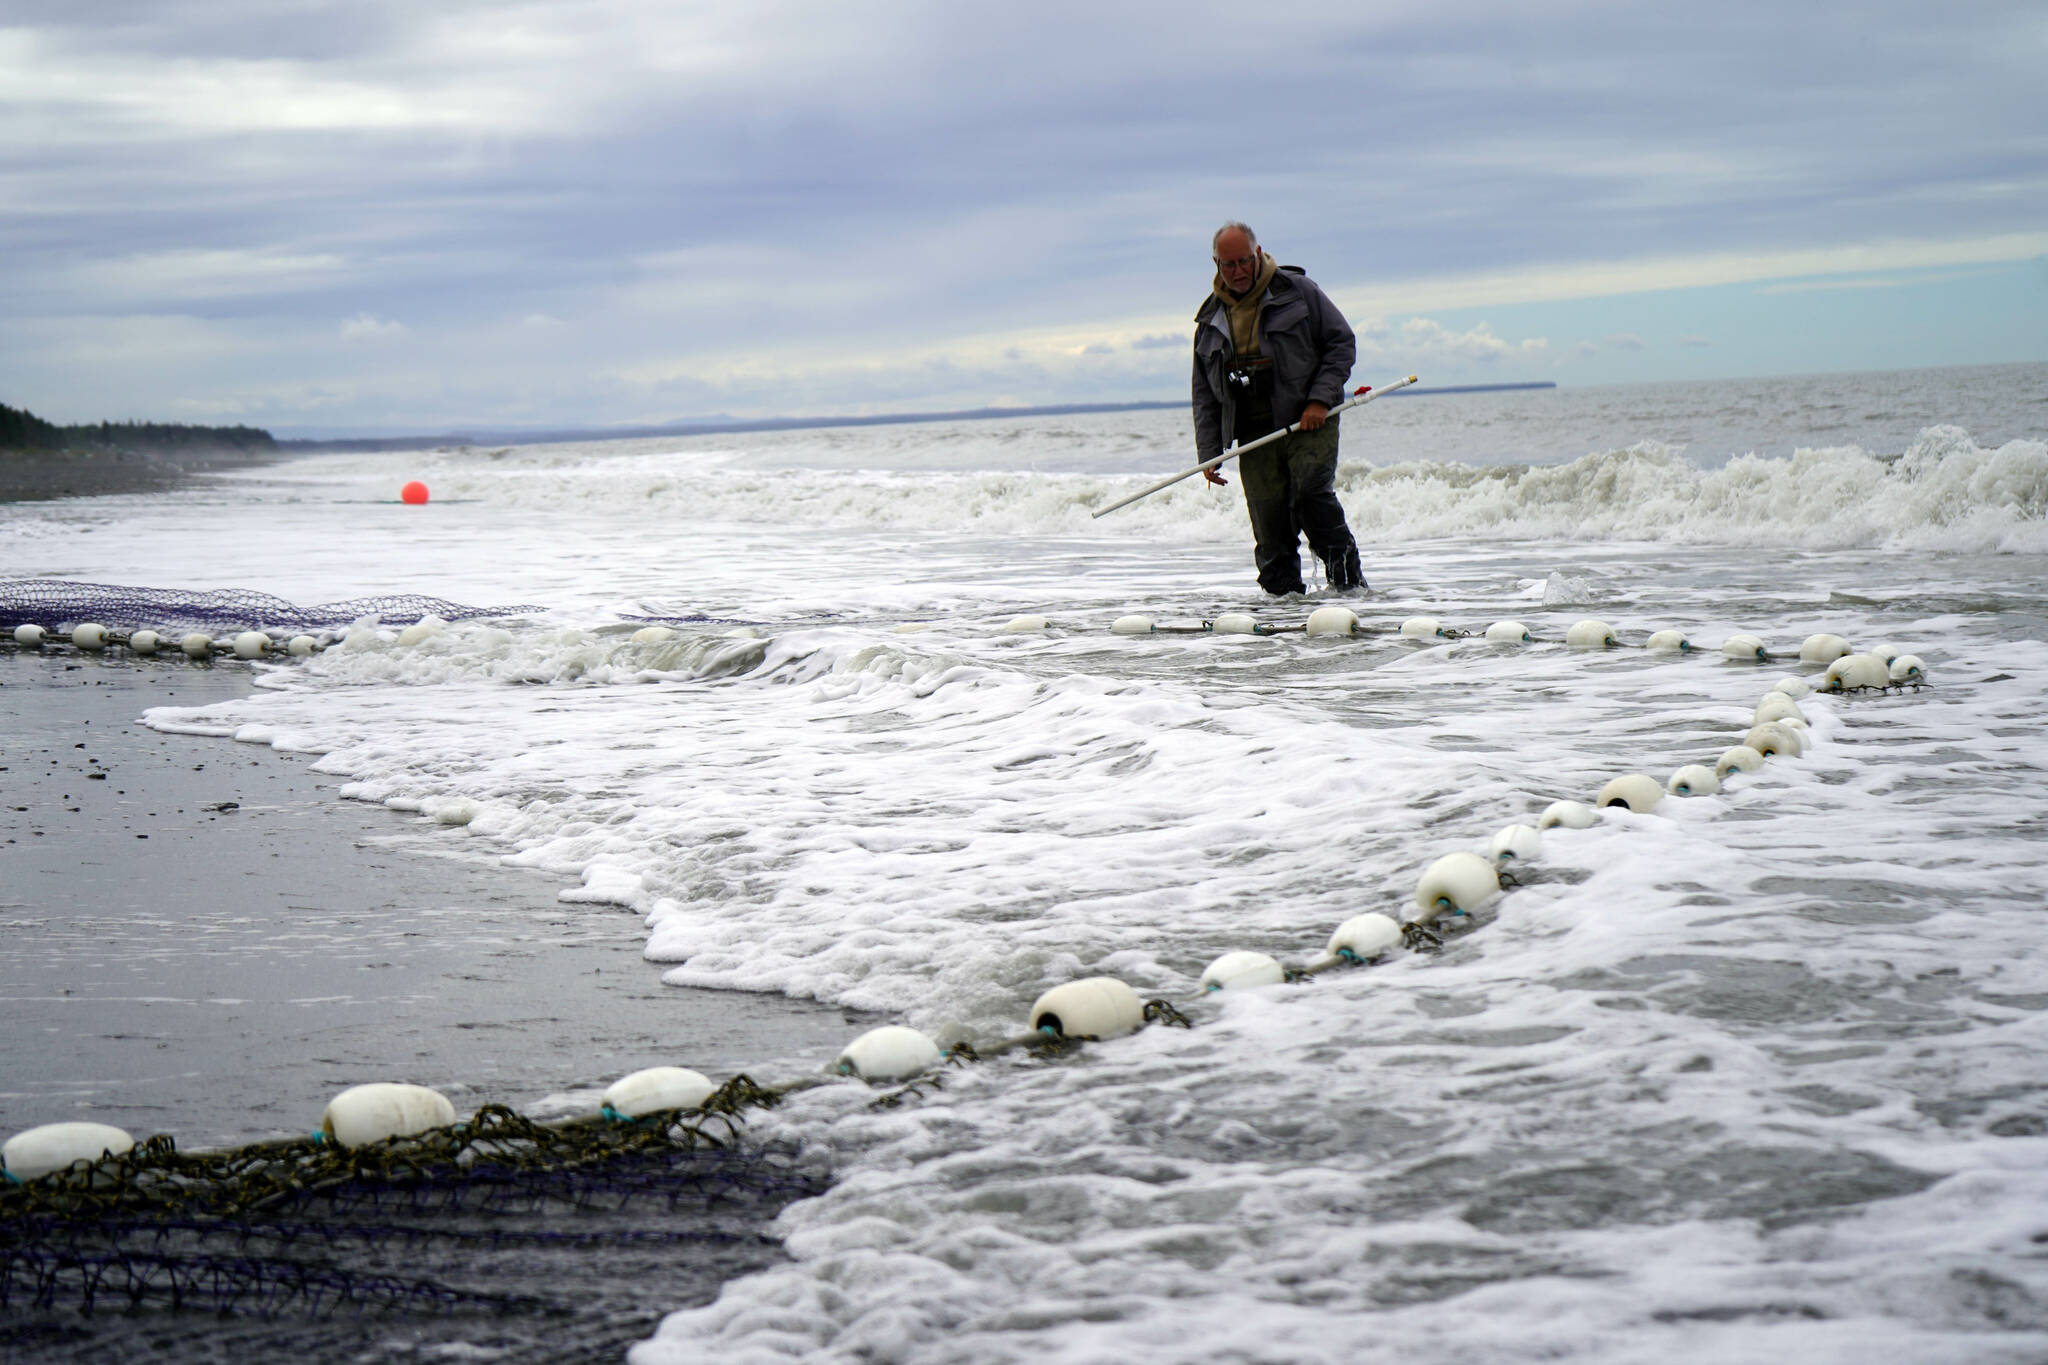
column 717, row 426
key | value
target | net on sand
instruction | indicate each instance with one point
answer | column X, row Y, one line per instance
column 57, row 604
column 500, row 1238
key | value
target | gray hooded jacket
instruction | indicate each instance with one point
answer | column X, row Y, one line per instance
column 1310, row 343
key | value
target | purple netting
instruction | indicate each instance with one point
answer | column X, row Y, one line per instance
column 497, row 1238
column 54, row 604
column 695, row 619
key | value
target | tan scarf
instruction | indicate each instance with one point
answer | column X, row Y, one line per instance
column 1244, row 312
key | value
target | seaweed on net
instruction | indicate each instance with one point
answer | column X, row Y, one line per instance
column 54, row 603
column 499, row 1232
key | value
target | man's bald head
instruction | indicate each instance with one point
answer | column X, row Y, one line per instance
column 1216, row 237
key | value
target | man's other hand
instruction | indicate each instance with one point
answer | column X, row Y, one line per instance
column 1213, row 477
column 1313, row 416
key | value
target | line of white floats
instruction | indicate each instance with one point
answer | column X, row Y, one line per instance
column 1827, row 649
column 1102, row 1007
column 94, row 638
column 1897, row 668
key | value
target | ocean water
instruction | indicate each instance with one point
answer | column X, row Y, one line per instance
column 1757, row 1075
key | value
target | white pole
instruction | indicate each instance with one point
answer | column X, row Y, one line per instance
column 1233, row 453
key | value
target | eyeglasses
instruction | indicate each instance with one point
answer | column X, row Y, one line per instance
column 1241, row 263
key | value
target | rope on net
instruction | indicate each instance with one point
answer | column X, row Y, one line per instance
column 55, row 603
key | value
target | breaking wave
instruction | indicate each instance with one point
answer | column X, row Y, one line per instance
column 1944, row 493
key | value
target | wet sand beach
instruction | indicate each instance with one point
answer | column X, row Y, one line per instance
column 27, row 476
column 203, row 939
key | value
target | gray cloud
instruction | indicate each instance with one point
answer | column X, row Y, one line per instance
column 370, row 327
column 677, row 187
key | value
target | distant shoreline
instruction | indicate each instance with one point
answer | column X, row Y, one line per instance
column 309, row 446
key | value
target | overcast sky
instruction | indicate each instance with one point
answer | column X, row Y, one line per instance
column 328, row 216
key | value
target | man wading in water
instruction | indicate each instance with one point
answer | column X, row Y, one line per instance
column 1272, row 350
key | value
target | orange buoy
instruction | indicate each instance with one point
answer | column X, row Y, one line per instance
column 414, row 493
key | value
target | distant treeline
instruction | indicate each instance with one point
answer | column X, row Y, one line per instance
column 22, row 430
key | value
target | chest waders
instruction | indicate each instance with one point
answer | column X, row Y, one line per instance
column 1290, row 489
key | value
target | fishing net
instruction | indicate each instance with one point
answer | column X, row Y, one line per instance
column 499, row 1238
column 687, row 619
column 54, row 604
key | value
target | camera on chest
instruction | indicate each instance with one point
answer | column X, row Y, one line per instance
column 1251, row 376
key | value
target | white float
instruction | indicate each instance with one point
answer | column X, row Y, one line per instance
column 1093, row 1007
column 1421, row 628
column 1775, row 706
column 451, row 810
column 1131, row 625
column 1854, row 671
column 251, row 644
column 1737, row 758
column 89, row 635
column 655, row 1089
column 1669, row 642
column 302, row 645
column 420, row 631
column 1026, row 625
column 196, row 645
column 1235, row 623
column 1908, row 668
column 144, row 641
column 652, row 635
column 29, row 636
column 1364, row 938
column 364, row 1114
column 1694, row 779
column 1456, row 882
column 1516, row 844
column 1590, row 634
column 1332, row 621
column 1570, row 814
column 56, row 1146
column 1509, row 633
column 889, row 1053
column 1884, row 654
column 1773, row 740
column 1638, row 792
column 1744, row 647
column 1242, row 970
column 1794, row 688
column 1823, row 649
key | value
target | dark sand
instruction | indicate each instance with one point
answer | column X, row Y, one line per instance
column 171, row 965
column 31, row 475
